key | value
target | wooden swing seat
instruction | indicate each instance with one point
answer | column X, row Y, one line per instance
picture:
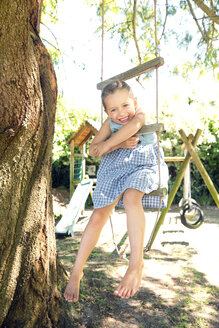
column 162, row 192
column 150, row 128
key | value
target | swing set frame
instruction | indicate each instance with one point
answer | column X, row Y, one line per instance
column 190, row 142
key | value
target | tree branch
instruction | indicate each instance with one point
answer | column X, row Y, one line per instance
column 164, row 25
column 52, row 45
column 197, row 23
column 211, row 13
column 134, row 30
column 57, row 43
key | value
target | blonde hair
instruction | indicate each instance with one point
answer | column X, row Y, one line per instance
column 112, row 87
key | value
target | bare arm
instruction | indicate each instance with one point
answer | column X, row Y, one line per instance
column 129, row 143
column 124, row 134
column 100, row 137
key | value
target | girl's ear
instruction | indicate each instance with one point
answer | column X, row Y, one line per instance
column 136, row 102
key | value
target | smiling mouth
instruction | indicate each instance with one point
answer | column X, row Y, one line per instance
column 124, row 120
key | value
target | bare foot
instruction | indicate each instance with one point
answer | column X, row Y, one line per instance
column 71, row 293
column 130, row 282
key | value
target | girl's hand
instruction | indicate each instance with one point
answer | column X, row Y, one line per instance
column 129, row 143
column 100, row 149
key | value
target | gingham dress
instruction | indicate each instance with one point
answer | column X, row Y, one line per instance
column 135, row 168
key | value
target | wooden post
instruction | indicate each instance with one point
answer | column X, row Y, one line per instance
column 172, row 192
column 72, row 162
column 200, row 167
column 187, row 181
column 83, row 163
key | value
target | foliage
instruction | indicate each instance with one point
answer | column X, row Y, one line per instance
column 50, row 16
column 192, row 113
column 136, row 27
column 119, row 23
column 49, row 11
column 209, row 154
column 68, row 120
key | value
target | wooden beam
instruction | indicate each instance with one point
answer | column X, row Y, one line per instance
column 174, row 159
column 80, row 155
column 172, row 192
column 136, row 71
column 72, row 164
column 200, row 167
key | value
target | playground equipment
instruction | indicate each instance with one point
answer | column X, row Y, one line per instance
column 65, row 226
column 78, row 196
column 77, row 160
column 191, row 213
column 190, row 209
column 190, row 144
column 153, row 64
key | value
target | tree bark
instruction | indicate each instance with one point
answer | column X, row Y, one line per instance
column 28, row 92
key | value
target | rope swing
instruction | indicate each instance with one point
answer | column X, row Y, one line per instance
column 134, row 72
column 137, row 71
column 102, row 57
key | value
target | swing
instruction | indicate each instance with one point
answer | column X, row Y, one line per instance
column 191, row 214
column 157, row 127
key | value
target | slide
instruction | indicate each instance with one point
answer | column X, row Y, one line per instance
column 65, row 226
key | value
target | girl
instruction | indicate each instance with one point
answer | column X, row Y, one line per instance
column 128, row 170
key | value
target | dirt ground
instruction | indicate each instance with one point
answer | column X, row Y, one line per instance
column 180, row 285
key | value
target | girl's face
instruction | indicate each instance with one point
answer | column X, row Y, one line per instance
column 120, row 107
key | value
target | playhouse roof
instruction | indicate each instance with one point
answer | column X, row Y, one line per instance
column 83, row 134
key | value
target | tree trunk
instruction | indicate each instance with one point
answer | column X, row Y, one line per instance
column 28, row 91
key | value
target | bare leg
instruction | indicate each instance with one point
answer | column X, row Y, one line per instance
column 136, row 229
column 88, row 241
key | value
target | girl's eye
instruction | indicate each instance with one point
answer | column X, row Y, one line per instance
column 113, row 110
column 126, row 105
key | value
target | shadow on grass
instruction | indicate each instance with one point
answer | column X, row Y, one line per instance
column 195, row 303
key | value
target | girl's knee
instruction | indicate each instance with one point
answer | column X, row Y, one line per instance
column 99, row 216
column 132, row 197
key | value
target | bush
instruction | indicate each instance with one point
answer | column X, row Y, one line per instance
column 60, row 174
column 68, row 120
column 208, row 153
column 187, row 114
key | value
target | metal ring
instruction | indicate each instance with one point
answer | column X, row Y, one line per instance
column 188, row 207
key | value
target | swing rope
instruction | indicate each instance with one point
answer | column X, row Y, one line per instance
column 102, row 45
column 157, row 121
column 102, row 56
column 157, row 96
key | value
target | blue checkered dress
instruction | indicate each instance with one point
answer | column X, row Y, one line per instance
column 131, row 168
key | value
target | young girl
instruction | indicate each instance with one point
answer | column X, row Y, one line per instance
column 128, row 170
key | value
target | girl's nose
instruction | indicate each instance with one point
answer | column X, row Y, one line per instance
column 121, row 111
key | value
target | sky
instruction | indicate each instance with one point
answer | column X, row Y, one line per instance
column 80, row 69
